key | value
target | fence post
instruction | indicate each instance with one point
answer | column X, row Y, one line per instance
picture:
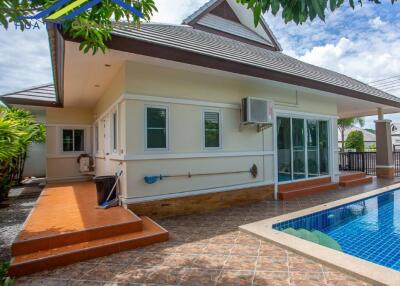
column 349, row 160
column 363, row 161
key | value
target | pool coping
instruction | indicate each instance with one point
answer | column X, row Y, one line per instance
column 363, row 269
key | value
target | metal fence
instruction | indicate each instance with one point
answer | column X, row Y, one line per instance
column 364, row 162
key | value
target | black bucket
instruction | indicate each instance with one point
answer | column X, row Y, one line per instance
column 104, row 186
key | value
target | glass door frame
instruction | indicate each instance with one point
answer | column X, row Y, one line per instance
column 305, row 117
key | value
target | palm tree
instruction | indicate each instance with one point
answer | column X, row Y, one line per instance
column 346, row 123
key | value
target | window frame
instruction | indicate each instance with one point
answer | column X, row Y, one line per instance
column 114, row 132
column 306, row 118
column 156, row 106
column 203, row 129
column 96, row 138
column 73, row 128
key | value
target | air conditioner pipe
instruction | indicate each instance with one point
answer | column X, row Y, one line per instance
column 153, row 179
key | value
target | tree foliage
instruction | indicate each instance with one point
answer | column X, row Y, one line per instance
column 298, row 11
column 346, row 123
column 355, row 140
column 92, row 27
column 18, row 130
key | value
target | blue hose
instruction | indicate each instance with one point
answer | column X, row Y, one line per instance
column 151, row 179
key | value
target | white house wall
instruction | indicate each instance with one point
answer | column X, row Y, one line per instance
column 63, row 166
column 35, row 164
column 187, row 94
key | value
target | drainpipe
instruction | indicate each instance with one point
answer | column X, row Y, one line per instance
column 275, row 144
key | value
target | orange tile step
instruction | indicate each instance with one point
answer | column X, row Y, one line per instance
column 289, row 194
column 28, row 245
column 356, row 182
column 303, row 184
column 352, row 176
column 51, row 258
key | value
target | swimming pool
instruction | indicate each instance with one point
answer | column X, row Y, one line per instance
column 367, row 228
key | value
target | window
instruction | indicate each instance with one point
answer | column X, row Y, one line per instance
column 212, row 126
column 114, row 132
column 156, row 127
column 73, row 140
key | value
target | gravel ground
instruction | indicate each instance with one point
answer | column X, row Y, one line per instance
column 11, row 220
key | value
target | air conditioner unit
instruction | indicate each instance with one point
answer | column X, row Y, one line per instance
column 257, row 111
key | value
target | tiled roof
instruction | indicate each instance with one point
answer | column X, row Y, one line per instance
column 230, row 27
column 186, row 38
column 38, row 95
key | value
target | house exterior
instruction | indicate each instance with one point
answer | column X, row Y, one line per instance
column 369, row 137
column 395, row 129
column 166, row 100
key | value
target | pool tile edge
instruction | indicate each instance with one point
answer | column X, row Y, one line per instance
column 365, row 270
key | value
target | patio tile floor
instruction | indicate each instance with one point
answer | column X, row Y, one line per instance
column 208, row 249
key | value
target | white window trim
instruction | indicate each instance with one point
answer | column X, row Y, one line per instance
column 85, row 138
column 203, row 129
column 160, row 106
column 112, row 149
column 96, row 139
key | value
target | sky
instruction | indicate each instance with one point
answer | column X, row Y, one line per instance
column 362, row 43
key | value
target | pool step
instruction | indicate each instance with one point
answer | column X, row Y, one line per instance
column 356, row 179
column 304, row 188
column 60, row 256
column 356, row 182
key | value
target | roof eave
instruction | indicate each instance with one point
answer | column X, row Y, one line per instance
column 29, row 102
column 145, row 48
column 57, row 54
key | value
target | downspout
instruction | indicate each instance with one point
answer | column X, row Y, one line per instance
column 275, row 144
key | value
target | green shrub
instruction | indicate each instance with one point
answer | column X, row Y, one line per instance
column 355, row 140
column 18, row 130
column 4, row 279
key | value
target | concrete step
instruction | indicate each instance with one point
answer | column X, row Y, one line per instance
column 55, row 257
column 290, row 194
column 303, row 184
column 28, row 245
column 356, row 181
column 351, row 176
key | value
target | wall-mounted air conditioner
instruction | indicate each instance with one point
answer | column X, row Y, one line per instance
column 258, row 112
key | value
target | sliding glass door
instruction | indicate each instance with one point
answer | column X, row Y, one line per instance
column 284, row 149
column 299, row 148
column 312, row 148
column 303, row 148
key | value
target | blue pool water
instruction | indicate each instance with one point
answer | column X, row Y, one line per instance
column 368, row 229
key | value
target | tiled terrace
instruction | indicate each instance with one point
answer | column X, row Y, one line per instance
column 208, row 249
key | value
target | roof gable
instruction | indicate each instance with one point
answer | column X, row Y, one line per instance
column 225, row 11
column 230, row 19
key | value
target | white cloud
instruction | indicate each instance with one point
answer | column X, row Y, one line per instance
column 327, row 55
column 174, row 12
column 352, row 58
column 376, row 23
